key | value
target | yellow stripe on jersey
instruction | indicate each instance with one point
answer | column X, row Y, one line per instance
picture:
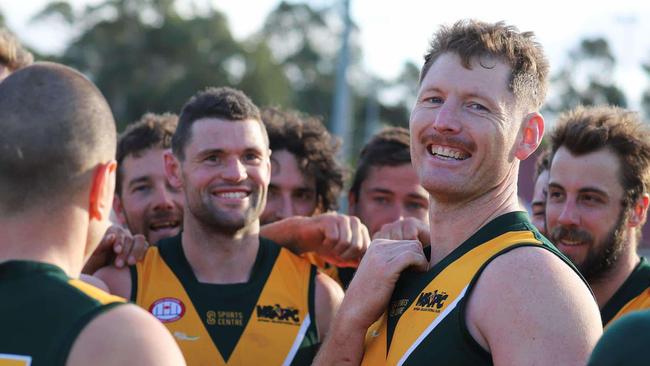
column 92, row 291
column 640, row 302
column 263, row 341
column 14, row 360
column 416, row 322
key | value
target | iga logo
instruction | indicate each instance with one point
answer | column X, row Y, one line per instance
column 167, row 309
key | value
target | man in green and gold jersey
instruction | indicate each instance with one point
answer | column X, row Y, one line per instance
column 598, row 201
column 227, row 295
column 491, row 289
column 57, row 143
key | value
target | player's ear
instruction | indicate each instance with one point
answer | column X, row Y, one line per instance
column 639, row 211
column 352, row 204
column 101, row 191
column 119, row 209
column 531, row 135
column 173, row 170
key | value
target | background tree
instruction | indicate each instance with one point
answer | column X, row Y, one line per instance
column 587, row 78
column 645, row 98
column 145, row 57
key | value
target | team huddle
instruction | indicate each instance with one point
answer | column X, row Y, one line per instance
column 211, row 237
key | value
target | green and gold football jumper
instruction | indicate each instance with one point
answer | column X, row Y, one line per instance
column 43, row 311
column 267, row 321
column 425, row 321
column 633, row 295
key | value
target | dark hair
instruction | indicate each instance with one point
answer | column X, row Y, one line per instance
column 56, row 127
column 542, row 164
column 151, row 131
column 12, row 53
column 223, row 103
column 472, row 39
column 314, row 148
column 389, row 147
column 587, row 129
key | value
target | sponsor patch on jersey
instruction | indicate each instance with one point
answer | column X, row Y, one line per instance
column 167, row 309
column 431, row 301
column 277, row 314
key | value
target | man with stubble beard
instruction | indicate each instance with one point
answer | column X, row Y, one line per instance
column 220, row 289
column 597, row 203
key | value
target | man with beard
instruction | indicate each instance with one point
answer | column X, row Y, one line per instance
column 493, row 290
column 597, row 203
column 219, row 288
column 145, row 201
column 152, row 209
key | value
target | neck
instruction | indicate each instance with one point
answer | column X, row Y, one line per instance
column 606, row 286
column 41, row 235
column 452, row 223
column 217, row 257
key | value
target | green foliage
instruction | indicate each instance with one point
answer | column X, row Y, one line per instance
column 587, row 79
column 144, row 56
column 148, row 58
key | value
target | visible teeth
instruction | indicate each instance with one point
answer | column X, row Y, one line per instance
column 448, row 153
column 232, row 195
column 570, row 242
column 162, row 225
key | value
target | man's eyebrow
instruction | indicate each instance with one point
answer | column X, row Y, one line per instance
column 140, row 179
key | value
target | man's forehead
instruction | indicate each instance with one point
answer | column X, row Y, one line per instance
column 599, row 169
column 217, row 132
column 144, row 160
column 395, row 178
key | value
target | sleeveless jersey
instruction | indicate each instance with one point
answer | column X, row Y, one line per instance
column 425, row 321
column 633, row 295
column 268, row 320
column 43, row 311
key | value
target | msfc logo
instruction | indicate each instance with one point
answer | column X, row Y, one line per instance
column 278, row 314
column 431, row 301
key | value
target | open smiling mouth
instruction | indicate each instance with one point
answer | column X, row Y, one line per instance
column 234, row 195
column 446, row 153
column 162, row 225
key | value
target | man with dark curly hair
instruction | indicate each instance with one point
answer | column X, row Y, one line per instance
column 306, row 177
column 13, row 55
column 306, row 180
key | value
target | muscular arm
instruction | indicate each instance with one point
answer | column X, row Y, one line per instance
column 126, row 335
column 530, row 308
column 339, row 239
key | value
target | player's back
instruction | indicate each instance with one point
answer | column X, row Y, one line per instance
column 42, row 312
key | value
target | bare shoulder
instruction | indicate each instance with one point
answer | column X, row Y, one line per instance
column 118, row 280
column 329, row 295
column 529, row 301
column 125, row 335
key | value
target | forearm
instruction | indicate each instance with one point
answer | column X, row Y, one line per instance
column 345, row 343
column 285, row 233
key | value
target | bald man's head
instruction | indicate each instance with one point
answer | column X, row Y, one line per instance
column 55, row 127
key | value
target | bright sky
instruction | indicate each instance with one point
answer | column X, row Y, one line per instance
column 395, row 31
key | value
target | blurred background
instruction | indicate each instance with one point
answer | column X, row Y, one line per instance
column 355, row 63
